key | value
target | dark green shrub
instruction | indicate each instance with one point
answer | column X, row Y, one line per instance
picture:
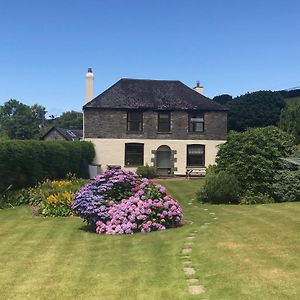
column 24, row 163
column 256, row 199
column 147, row 171
column 287, row 186
column 220, row 187
column 255, row 156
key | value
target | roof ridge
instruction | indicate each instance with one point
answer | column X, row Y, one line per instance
column 145, row 79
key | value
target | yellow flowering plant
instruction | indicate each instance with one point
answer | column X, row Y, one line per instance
column 54, row 198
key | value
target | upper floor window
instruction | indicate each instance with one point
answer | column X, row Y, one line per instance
column 164, row 122
column 195, row 155
column 196, row 122
column 135, row 121
column 134, row 154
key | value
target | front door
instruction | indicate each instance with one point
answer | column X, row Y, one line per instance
column 163, row 161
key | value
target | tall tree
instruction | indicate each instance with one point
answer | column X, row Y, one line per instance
column 69, row 119
column 20, row 121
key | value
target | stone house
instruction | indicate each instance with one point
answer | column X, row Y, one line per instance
column 162, row 123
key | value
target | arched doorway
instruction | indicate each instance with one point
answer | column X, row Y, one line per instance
column 164, row 162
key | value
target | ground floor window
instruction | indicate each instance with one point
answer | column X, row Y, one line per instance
column 195, row 155
column 134, row 154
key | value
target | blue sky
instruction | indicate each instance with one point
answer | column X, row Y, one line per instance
column 230, row 46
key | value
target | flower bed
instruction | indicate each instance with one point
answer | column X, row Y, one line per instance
column 54, row 198
column 121, row 202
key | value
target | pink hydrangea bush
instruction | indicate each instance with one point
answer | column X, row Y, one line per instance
column 143, row 207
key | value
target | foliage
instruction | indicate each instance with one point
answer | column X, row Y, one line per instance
column 254, row 156
column 256, row 199
column 54, row 198
column 287, row 186
column 147, row 171
column 20, row 121
column 256, row 109
column 12, row 198
column 69, row 119
column 220, row 187
column 290, row 120
column 223, row 99
column 119, row 201
column 290, row 94
column 24, row 163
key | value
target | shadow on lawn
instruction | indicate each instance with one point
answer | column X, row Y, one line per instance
column 88, row 228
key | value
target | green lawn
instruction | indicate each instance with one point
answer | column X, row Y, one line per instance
column 248, row 252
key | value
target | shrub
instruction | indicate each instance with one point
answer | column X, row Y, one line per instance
column 11, row 198
column 220, row 187
column 54, row 198
column 24, row 163
column 147, row 171
column 256, row 199
column 254, row 157
column 120, row 201
column 287, row 186
column 290, row 119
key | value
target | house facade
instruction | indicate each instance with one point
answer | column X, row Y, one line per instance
column 161, row 123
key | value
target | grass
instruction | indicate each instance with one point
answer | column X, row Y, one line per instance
column 249, row 252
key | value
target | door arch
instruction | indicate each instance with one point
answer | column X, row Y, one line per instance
column 163, row 157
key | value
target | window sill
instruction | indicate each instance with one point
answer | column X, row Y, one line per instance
column 164, row 132
column 132, row 166
column 195, row 167
column 134, row 132
column 195, row 132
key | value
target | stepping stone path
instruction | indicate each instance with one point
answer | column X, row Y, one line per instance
column 189, row 271
column 194, row 288
column 186, row 251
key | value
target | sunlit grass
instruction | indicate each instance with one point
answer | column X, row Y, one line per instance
column 249, row 252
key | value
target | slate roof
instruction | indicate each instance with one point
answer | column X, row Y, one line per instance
column 68, row 134
column 152, row 95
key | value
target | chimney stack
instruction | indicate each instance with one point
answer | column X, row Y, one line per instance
column 198, row 88
column 89, row 86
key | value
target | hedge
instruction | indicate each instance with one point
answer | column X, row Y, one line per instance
column 24, row 163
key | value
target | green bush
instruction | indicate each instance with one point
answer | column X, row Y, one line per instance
column 256, row 199
column 147, row 171
column 254, row 157
column 290, row 119
column 54, row 198
column 220, row 187
column 24, row 163
column 287, row 186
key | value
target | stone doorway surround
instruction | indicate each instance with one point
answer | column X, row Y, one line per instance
column 164, row 171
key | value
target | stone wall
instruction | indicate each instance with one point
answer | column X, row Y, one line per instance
column 100, row 123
